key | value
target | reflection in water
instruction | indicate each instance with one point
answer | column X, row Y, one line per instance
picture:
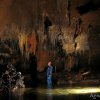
column 49, row 94
column 69, row 93
column 18, row 94
column 69, row 90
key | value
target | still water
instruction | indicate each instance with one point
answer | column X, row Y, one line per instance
column 55, row 93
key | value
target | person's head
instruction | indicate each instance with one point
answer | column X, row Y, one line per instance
column 49, row 63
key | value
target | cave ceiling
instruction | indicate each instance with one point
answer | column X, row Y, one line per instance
column 24, row 12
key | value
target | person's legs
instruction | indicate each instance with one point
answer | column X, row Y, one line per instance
column 49, row 81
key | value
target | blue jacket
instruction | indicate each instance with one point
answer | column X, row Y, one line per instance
column 49, row 71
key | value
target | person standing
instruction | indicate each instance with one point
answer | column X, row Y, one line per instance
column 49, row 74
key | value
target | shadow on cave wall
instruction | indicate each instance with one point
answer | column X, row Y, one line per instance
column 88, row 7
column 95, row 63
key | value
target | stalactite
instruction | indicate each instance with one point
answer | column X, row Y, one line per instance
column 59, row 15
column 82, row 43
column 23, row 44
column 53, row 33
column 68, row 12
column 32, row 42
column 68, row 40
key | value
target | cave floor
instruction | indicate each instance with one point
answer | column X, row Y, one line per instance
column 54, row 93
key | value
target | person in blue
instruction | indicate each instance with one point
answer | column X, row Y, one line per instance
column 49, row 74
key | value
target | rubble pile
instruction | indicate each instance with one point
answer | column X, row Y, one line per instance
column 10, row 79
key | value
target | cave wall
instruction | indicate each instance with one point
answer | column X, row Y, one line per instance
column 18, row 16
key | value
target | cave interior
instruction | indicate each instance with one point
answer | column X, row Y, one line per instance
column 65, row 32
